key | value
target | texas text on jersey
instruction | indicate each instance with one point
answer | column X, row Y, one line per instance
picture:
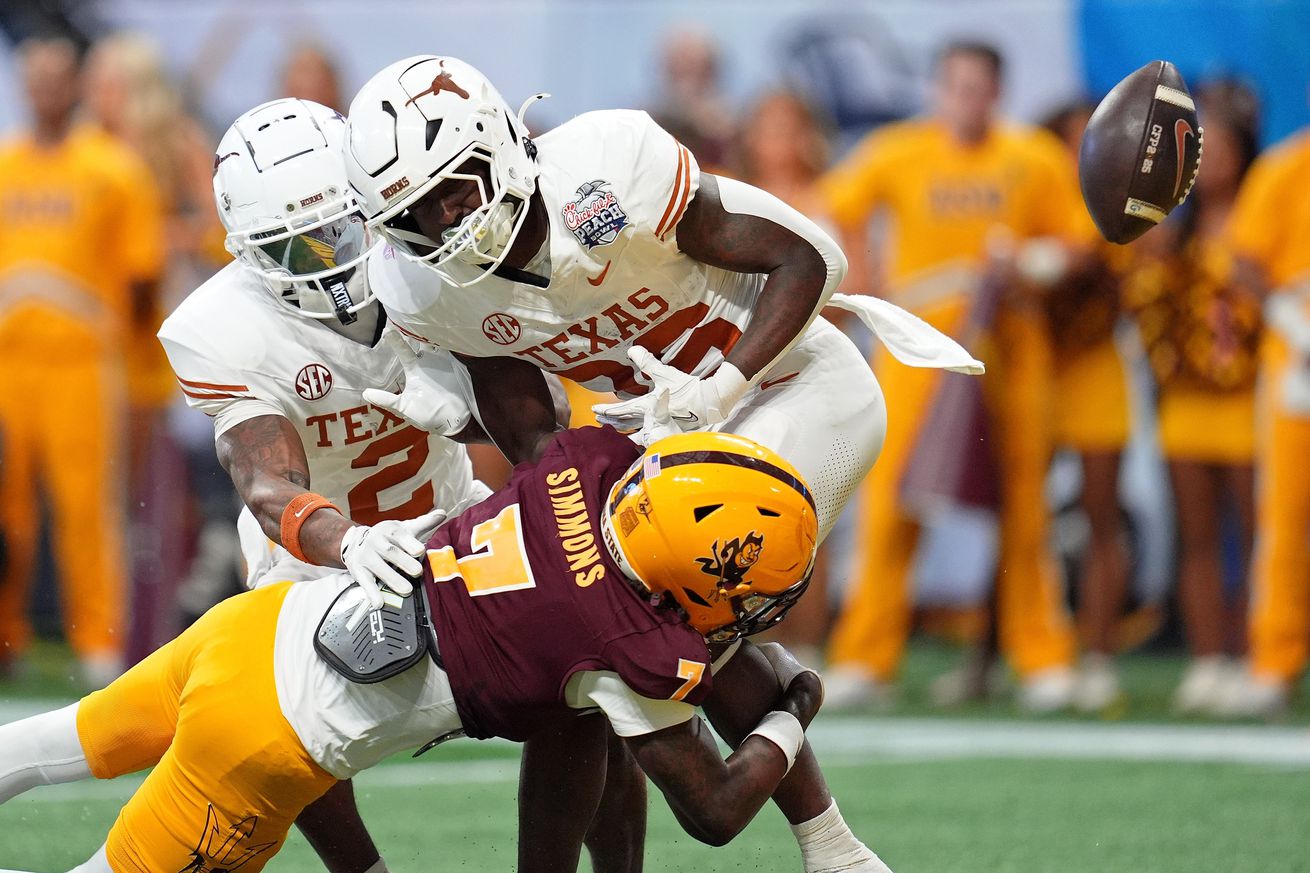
column 524, row 596
column 238, row 354
column 615, row 185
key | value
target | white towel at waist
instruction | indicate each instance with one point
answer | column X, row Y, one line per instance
column 910, row 339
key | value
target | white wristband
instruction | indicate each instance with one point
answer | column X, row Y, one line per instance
column 730, row 384
column 784, row 731
column 379, row 866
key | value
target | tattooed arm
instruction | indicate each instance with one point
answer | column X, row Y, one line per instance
column 266, row 460
column 711, row 798
column 738, row 227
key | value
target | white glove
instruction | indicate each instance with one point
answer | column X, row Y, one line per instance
column 387, row 552
column 694, row 403
column 656, row 424
column 433, row 397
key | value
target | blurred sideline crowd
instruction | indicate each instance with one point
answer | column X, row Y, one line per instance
column 971, row 221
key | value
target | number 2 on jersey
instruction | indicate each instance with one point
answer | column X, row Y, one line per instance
column 365, row 498
column 498, row 562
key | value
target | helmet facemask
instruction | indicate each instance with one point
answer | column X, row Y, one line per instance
column 474, row 248
column 314, row 264
column 757, row 613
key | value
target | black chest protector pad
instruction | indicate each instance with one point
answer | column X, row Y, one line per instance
column 386, row 642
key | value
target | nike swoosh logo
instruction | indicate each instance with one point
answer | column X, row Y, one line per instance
column 764, row 386
column 690, row 416
column 301, row 511
column 601, row 277
column 1182, row 130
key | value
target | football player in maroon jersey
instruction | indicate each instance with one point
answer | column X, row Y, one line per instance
column 600, row 578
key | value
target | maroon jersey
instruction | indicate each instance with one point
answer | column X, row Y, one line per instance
column 523, row 594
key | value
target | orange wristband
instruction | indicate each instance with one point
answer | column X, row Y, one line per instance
column 298, row 511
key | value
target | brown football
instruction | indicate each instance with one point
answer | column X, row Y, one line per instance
column 1140, row 153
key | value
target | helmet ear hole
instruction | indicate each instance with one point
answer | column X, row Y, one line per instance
column 430, row 133
column 696, row 598
column 702, row 512
column 768, row 513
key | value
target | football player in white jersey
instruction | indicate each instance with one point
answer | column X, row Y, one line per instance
column 600, row 252
column 278, row 347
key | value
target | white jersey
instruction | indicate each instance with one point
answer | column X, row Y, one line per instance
column 615, row 186
column 238, row 354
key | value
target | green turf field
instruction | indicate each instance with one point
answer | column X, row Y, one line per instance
column 979, row 790
column 930, row 795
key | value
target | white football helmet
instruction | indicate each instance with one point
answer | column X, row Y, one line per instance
column 421, row 122
column 286, row 204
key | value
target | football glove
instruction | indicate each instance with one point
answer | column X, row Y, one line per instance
column 694, row 404
column 433, row 396
column 386, row 553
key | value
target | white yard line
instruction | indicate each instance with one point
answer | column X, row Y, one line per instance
column 871, row 739
column 854, row 741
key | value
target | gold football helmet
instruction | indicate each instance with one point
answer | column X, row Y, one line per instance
column 719, row 523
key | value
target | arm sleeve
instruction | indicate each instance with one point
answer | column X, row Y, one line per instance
column 665, row 178
column 630, row 714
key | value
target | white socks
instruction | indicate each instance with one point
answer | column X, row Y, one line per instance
column 41, row 750
column 828, row 846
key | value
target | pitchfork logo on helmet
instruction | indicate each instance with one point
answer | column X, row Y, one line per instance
column 719, row 525
column 729, row 561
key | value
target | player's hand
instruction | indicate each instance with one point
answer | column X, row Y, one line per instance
column 694, row 403
column 384, row 554
column 433, row 397
column 784, row 664
column 656, row 425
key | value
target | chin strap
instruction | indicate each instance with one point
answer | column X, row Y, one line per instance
column 341, row 302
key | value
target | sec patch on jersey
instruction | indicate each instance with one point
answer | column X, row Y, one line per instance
column 1140, row 153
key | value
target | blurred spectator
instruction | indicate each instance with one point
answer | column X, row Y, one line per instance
column 130, row 94
column 690, row 104
column 954, row 183
column 1091, row 418
column 1201, row 334
column 1270, row 238
column 80, row 233
column 311, row 74
column 782, row 147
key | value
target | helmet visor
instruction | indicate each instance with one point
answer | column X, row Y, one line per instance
column 316, row 250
